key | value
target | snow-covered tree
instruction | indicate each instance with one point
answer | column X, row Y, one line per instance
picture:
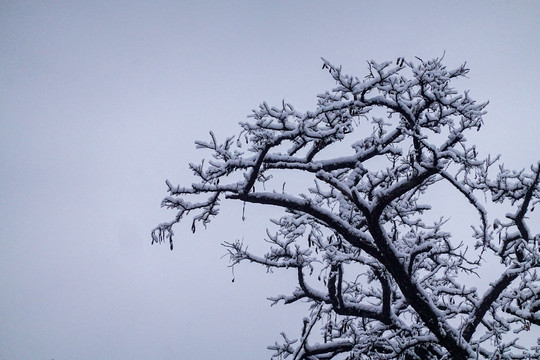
column 383, row 276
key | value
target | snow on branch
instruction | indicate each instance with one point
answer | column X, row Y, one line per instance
column 381, row 272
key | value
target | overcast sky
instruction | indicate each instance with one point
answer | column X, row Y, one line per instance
column 101, row 101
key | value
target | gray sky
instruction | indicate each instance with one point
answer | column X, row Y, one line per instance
column 100, row 102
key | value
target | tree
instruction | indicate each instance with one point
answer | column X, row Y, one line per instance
column 382, row 276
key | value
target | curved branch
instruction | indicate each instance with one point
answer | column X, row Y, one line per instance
column 487, row 300
column 349, row 233
column 347, row 309
column 399, row 189
column 472, row 199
